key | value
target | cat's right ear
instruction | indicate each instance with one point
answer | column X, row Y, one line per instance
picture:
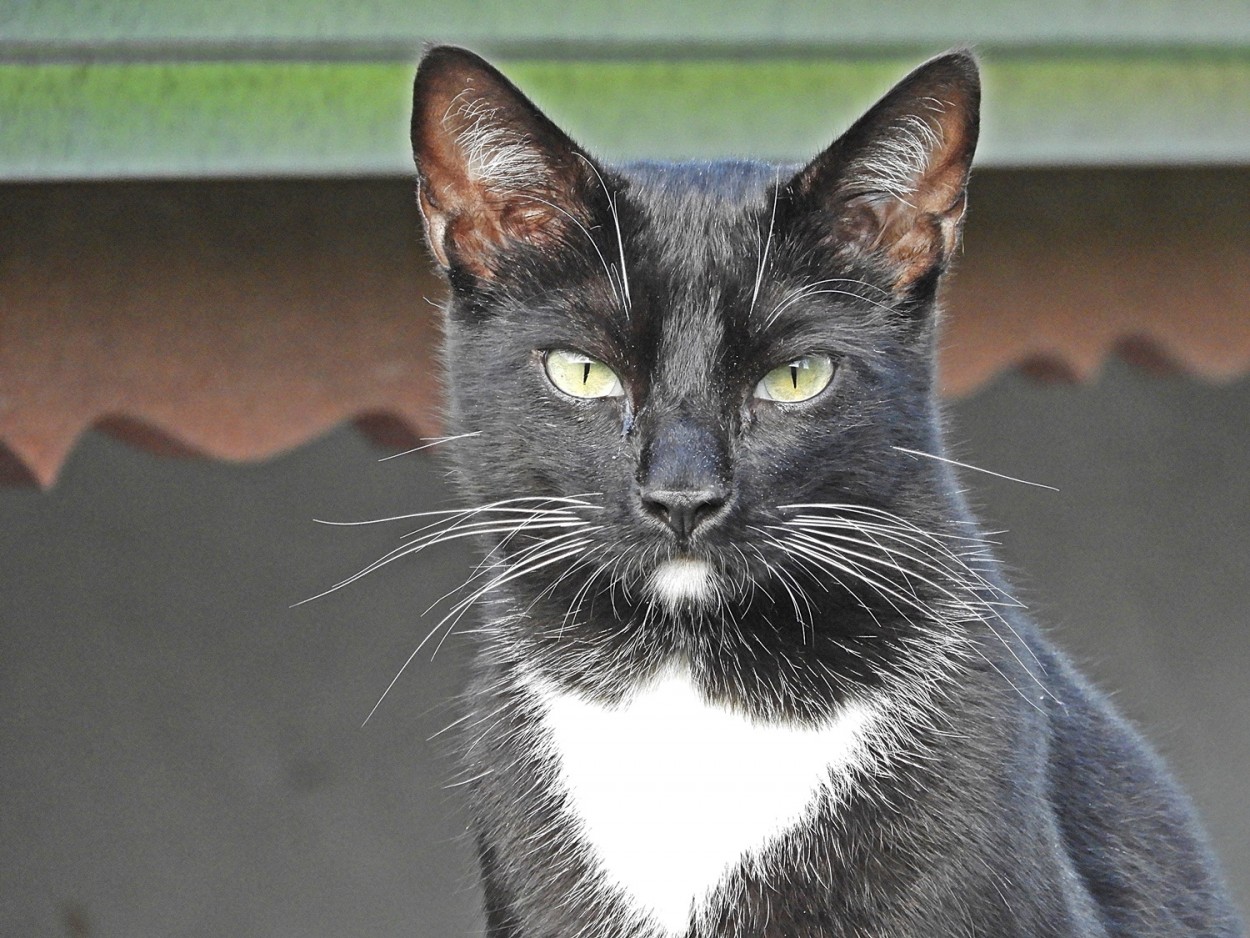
column 492, row 169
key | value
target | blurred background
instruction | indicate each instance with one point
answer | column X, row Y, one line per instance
column 217, row 319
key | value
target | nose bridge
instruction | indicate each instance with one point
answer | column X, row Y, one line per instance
column 684, row 470
column 684, row 478
column 686, row 452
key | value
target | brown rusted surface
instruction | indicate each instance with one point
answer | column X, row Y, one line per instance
column 238, row 319
column 234, row 320
column 1062, row 269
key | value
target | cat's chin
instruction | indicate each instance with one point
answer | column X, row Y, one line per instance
column 683, row 581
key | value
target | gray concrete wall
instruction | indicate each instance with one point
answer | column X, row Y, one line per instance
column 183, row 752
column 1139, row 565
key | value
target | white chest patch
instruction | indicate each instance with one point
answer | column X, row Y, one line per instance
column 672, row 791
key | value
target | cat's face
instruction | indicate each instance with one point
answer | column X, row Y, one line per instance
column 676, row 360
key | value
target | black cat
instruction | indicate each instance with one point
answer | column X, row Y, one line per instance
column 747, row 667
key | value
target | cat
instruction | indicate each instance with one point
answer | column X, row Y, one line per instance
column 745, row 664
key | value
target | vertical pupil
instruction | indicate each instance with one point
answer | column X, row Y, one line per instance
column 585, row 372
column 794, row 375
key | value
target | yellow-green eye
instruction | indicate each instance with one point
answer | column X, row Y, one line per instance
column 580, row 375
column 801, row 379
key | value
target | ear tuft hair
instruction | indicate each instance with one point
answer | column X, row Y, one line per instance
column 900, row 158
column 496, row 155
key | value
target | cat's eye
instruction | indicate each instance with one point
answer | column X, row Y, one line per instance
column 799, row 380
column 580, row 375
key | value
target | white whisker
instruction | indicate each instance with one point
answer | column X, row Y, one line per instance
column 440, row 537
column 813, row 289
column 506, row 504
column 964, row 465
column 432, row 441
column 616, row 221
column 768, row 243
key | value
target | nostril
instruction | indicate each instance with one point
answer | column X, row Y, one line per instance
column 656, row 506
column 704, row 510
column 683, row 511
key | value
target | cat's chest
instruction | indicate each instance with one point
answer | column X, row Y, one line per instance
column 671, row 792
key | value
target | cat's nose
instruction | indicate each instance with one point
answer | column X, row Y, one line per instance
column 685, row 475
column 684, row 510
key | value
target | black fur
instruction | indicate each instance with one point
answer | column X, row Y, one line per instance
column 1018, row 803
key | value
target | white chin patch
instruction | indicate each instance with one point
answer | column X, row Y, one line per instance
column 686, row 580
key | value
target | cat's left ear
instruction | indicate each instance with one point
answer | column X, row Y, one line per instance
column 492, row 169
column 893, row 188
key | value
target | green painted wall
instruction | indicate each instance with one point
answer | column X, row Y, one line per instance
column 166, row 88
column 496, row 23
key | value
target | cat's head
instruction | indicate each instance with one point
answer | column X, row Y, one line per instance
column 682, row 355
